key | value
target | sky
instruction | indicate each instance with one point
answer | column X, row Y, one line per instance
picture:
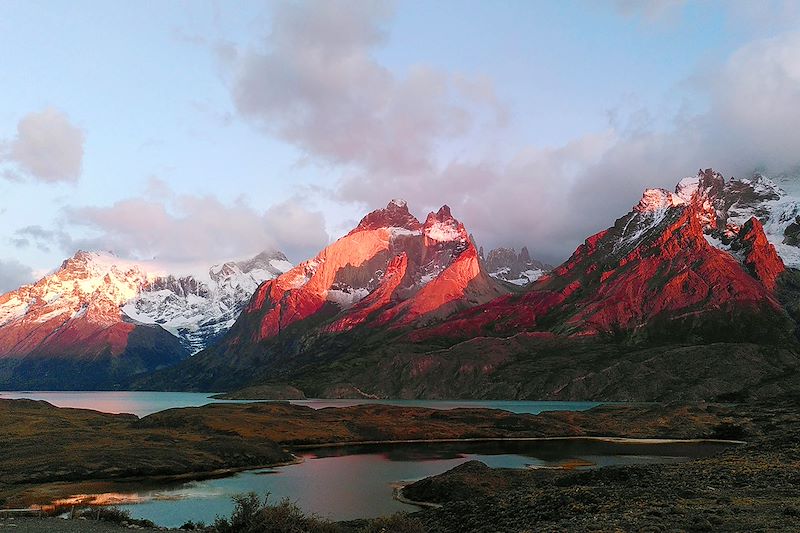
column 193, row 132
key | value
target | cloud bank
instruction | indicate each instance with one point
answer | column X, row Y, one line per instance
column 182, row 228
column 315, row 83
column 47, row 148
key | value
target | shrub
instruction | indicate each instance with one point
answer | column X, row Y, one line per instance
column 193, row 526
column 251, row 515
column 396, row 523
column 114, row 515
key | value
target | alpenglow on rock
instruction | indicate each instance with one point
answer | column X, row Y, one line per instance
column 724, row 207
column 99, row 320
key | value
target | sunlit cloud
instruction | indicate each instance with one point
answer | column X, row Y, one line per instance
column 47, row 147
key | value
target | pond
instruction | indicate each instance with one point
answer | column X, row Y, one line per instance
column 349, row 482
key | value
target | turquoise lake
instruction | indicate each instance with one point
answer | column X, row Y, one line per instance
column 142, row 403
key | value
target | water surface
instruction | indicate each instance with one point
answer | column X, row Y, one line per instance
column 358, row 481
column 142, row 403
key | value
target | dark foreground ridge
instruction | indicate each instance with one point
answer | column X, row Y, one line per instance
column 55, row 452
column 755, row 487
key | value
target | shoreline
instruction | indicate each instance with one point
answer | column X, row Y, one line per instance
column 609, row 439
column 397, row 494
column 397, row 488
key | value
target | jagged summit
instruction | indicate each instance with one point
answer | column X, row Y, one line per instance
column 442, row 227
column 394, row 215
column 724, row 207
column 390, row 268
column 517, row 268
column 656, row 200
column 95, row 301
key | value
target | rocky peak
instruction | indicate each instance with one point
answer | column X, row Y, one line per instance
column 442, row 227
column 519, row 269
column 394, row 215
column 102, row 290
column 263, row 260
column 655, row 200
column 758, row 254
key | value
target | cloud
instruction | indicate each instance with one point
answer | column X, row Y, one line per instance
column 41, row 238
column 756, row 103
column 47, row 148
column 552, row 199
column 315, row 83
column 13, row 274
column 184, row 228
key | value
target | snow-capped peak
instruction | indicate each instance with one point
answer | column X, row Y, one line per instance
column 658, row 200
column 442, row 227
column 102, row 288
column 397, row 202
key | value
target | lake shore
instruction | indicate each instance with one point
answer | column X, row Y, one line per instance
column 752, row 487
column 183, row 444
column 50, row 446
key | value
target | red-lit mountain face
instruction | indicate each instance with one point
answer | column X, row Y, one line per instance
column 99, row 319
column 67, row 330
column 654, row 307
column 389, row 273
column 654, row 273
column 390, row 270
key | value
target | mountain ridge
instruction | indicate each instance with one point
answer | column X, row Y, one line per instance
column 110, row 318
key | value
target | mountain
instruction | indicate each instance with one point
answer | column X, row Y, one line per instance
column 517, row 268
column 724, row 207
column 199, row 308
column 654, row 274
column 390, row 273
column 683, row 297
column 99, row 319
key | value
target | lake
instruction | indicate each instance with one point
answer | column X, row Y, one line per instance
column 142, row 403
column 358, row 481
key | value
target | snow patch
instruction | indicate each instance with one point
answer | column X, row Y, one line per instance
column 687, row 188
column 346, row 298
column 446, row 231
column 657, row 200
column 395, row 232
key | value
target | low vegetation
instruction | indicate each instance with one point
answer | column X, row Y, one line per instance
column 252, row 514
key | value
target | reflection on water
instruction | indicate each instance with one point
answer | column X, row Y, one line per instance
column 357, row 481
column 142, row 403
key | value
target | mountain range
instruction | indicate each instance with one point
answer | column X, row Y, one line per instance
column 99, row 319
column 688, row 295
column 694, row 293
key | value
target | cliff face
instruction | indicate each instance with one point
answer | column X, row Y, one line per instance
column 673, row 300
column 390, row 273
column 655, row 266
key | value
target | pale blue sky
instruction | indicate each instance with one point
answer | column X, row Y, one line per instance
column 569, row 94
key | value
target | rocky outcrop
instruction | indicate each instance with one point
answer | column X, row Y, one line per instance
column 517, row 268
column 758, row 254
